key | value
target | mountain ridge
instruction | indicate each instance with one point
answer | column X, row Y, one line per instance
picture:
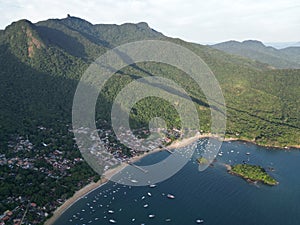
column 70, row 44
column 41, row 65
column 256, row 50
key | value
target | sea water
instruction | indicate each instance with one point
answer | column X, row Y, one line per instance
column 213, row 195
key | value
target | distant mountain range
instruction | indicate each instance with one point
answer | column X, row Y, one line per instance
column 256, row 50
column 281, row 45
column 51, row 56
column 40, row 67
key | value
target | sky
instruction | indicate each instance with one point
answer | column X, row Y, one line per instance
column 200, row 21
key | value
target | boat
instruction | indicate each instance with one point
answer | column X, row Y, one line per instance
column 170, row 196
column 199, row 221
column 247, row 153
column 112, row 221
column 134, row 181
column 152, row 185
column 168, row 220
column 149, row 194
column 146, row 205
column 151, row 216
column 110, row 211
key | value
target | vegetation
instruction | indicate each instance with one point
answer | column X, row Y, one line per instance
column 202, row 160
column 253, row 173
column 40, row 67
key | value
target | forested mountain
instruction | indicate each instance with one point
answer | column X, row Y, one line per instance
column 41, row 64
column 287, row 58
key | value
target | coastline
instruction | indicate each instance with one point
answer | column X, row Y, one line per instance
column 78, row 195
column 251, row 180
column 111, row 172
column 259, row 144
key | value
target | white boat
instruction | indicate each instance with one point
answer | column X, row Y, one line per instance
column 199, row 221
column 152, row 185
column 134, row 181
column 151, row 216
column 110, row 211
column 170, row 196
column 168, row 220
column 112, row 221
column 146, row 205
column 149, row 194
column 247, row 153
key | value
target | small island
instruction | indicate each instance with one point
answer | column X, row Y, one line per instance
column 202, row 160
column 252, row 173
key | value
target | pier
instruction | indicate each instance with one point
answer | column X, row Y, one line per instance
column 138, row 167
column 168, row 150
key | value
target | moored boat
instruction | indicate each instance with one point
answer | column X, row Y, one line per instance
column 134, row 181
column 170, row 196
column 112, row 221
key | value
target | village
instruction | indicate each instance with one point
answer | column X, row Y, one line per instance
column 42, row 158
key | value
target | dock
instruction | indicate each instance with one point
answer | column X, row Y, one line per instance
column 168, row 150
column 138, row 167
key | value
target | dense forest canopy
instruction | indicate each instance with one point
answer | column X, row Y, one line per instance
column 42, row 63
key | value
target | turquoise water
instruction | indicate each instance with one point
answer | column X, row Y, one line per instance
column 212, row 195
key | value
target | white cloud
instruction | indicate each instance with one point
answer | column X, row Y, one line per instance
column 193, row 20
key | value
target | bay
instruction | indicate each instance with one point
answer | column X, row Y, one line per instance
column 213, row 195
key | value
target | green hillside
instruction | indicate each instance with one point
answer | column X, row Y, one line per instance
column 40, row 67
column 262, row 102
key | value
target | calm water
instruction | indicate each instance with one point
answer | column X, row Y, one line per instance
column 213, row 195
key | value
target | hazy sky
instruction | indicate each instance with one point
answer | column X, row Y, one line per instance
column 192, row 20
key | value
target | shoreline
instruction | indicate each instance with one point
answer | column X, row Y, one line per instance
column 250, row 180
column 111, row 172
column 262, row 145
column 77, row 196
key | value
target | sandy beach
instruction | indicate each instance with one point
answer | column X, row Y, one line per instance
column 111, row 172
column 78, row 195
